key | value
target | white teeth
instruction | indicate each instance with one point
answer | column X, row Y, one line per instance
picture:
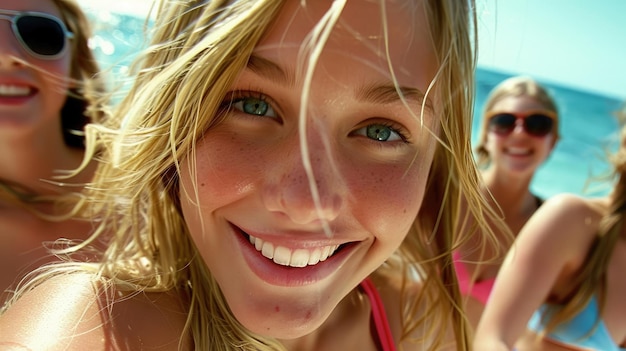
column 293, row 258
column 282, row 255
column 315, row 256
column 268, row 250
column 12, row 90
column 518, row 151
column 258, row 245
column 325, row 253
column 300, row 258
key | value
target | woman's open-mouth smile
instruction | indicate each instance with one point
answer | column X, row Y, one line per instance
column 278, row 264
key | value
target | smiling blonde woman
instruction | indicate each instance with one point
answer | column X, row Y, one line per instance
column 285, row 175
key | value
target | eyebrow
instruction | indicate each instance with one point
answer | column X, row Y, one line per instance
column 270, row 70
column 389, row 93
column 374, row 93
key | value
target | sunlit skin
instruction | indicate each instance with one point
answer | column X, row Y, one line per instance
column 251, row 179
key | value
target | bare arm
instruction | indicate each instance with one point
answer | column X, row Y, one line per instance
column 71, row 313
column 549, row 248
column 61, row 314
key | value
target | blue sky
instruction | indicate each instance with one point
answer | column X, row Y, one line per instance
column 577, row 43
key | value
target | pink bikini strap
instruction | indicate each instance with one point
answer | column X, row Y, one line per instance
column 380, row 317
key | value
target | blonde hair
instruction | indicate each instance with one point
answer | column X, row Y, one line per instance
column 519, row 86
column 198, row 49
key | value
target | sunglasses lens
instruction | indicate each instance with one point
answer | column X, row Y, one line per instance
column 538, row 124
column 43, row 36
column 502, row 123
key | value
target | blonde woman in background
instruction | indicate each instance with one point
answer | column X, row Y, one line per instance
column 285, row 176
column 518, row 132
column 562, row 284
column 48, row 80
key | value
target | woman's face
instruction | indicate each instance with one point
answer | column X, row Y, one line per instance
column 255, row 220
column 32, row 90
column 518, row 152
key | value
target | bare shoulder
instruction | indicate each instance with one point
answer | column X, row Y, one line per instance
column 560, row 232
column 570, row 214
column 573, row 205
column 75, row 312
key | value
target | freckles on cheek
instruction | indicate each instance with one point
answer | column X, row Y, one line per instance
column 225, row 167
column 390, row 198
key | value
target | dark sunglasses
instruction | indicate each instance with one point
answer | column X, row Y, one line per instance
column 41, row 35
column 536, row 123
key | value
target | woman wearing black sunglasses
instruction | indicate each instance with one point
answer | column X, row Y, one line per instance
column 519, row 130
column 48, row 80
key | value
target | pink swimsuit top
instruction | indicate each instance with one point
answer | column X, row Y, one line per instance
column 480, row 290
column 477, row 290
column 383, row 332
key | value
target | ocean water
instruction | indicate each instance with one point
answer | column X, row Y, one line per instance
column 578, row 164
column 117, row 38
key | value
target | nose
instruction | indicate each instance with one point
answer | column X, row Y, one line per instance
column 10, row 50
column 519, row 126
column 306, row 187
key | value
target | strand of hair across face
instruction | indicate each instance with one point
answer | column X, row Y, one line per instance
column 318, row 39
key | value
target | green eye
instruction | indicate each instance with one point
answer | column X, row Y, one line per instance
column 254, row 106
column 380, row 132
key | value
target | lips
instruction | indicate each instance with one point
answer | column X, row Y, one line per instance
column 283, row 264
